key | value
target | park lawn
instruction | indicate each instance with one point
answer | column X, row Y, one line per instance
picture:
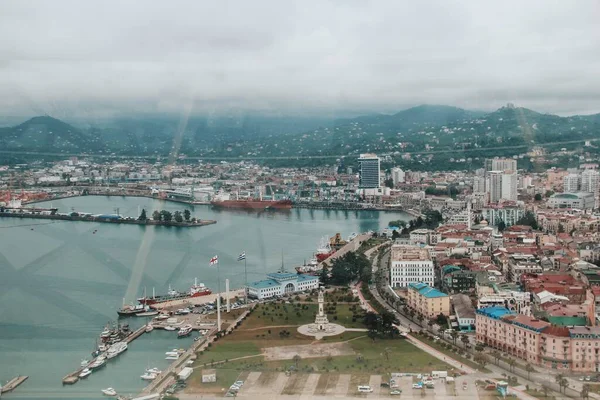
column 275, row 314
column 225, row 378
column 221, row 350
column 403, row 356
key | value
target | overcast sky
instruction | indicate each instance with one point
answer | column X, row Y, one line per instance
column 98, row 57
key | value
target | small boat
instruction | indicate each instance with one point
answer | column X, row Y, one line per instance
column 148, row 376
column 109, row 392
column 183, row 311
column 175, row 352
column 84, row 362
column 149, row 328
column 170, row 328
column 155, row 371
column 85, row 373
column 175, row 357
column 185, row 331
column 161, row 317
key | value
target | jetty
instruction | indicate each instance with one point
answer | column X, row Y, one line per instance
column 13, row 383
column 352, row 245
column 109, row 219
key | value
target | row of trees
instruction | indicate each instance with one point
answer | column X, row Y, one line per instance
column 381, row 325
column 431, row 221
column 350, row 267
column 167, row 216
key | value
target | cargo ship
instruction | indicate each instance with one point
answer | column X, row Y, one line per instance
column 252, row 204
column 197, row 290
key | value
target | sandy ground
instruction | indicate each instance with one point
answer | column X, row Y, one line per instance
column 307, row 351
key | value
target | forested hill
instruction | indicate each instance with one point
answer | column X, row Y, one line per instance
column 423, row 137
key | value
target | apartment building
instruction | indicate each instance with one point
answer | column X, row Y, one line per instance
column 427, row 301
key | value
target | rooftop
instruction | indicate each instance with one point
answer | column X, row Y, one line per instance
column 494, row 312
column 426, row 290
column 568, row 321
column 409, row 253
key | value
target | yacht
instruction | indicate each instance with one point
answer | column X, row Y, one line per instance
column 170, row 328
column 98, row 362
column 185, row 331
column 149, row 328
column 84, row 362
column 183, row 311
column 162, row 316
column 155, row 371
column 148, row 376
column 85, row 373
column 172, row 357
column 109, row 392
column 116, row 349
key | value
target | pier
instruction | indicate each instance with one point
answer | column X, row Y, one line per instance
column 13, row 383
column 24, row 213
column 353, row 245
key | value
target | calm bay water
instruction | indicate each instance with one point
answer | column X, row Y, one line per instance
column 60, row 282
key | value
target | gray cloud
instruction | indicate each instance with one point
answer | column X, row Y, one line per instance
column 98, row 57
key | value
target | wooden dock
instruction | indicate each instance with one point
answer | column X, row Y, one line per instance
column 13, row 383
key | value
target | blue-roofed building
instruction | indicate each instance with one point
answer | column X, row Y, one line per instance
column 427, row 301
column 280, row 283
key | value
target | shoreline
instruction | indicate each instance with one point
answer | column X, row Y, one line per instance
column 299, row 205
column 108, row 221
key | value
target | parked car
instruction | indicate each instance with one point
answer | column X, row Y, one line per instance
column 395, row 392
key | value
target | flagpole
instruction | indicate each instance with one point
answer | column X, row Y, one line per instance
column 245, row 281
column 218, row 299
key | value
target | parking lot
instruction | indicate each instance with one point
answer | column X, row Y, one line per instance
column 271, row 385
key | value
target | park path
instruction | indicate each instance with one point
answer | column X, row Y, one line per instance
column 269, row 327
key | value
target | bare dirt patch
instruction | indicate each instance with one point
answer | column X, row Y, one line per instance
column 295, row 384
column 307, row 351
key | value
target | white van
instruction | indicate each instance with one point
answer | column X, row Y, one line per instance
column 365, row 389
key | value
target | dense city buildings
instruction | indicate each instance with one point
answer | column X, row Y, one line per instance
column 427, row 301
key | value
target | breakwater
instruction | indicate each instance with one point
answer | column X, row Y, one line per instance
column 108, row 220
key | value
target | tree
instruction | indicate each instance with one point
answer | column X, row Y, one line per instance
column 386, row 352
column 178, row 217
column 558, row 378
column 511, row 364
column 454, row 336
column 296, row 360
column 585, row 391
column 430, row 324
column 324, row 276
column 561, row 228
column 166, row 215
column 156, row 215
column 465, row 340
column 186, row 214
column 537, row 197
column 496, row 355
column 395, row 234
column 481, row 359
column 545, row 389
column 548, row 193
column 389, row 183
column 501, row 225
column 142, row 216
column 529, row 369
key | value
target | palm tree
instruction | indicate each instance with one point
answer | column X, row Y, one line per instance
column 496, row 355
column 296, row 359
column 529, row 369
column 420, row 318
column 465, row 340
column 558, row 379
column 511, row 364
column 386, row 353
column 441, row 331
column 585, row 392
column 454, row 336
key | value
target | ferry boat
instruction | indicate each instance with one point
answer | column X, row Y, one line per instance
column 184, row 331
column 197, row 290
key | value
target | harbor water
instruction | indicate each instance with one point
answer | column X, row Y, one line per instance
column 62, row 281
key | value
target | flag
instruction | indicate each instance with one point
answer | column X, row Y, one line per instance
column 242, row 256
column 214, row 260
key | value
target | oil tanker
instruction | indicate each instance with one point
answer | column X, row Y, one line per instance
column 250, row 204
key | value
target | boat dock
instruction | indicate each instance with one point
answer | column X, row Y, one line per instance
column 73, row 377
column 13, row 383
column 200, row 300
